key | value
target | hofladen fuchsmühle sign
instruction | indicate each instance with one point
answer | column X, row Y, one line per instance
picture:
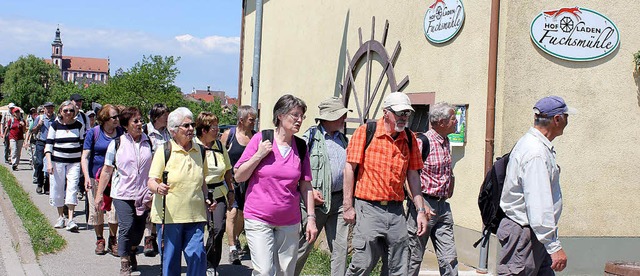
column 575, row 33
column 443, row 20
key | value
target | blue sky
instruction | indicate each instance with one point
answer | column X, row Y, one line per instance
column 204, row 34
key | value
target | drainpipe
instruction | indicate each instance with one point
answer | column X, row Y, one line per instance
column 244, row 5
column 491, row 115
column 256, row 56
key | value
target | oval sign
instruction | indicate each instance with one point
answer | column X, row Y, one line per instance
column 575, row 33
column 443, row 20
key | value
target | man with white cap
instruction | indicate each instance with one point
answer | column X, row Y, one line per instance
column 391, row 157
column 327, row 154
column 531, row 197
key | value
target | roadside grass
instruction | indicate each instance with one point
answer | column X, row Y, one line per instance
column 319, row 263
column 44, row 238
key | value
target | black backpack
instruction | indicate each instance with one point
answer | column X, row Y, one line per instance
column 489, row 198
column 267, row 135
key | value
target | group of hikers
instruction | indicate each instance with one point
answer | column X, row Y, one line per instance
column 177, row 182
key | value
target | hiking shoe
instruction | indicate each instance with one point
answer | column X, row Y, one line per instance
column 234, row 257
column 60, row 223
column 100, row 250
column 39, row 190
column 148, row 247
column 14, row 167
column 112, row 247
column 80, row 196
column 35, row 180
column 211, row 272
column 125, row 268
column 72, row 226
column 154, row 242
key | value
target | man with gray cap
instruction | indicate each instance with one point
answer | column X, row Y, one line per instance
column 391, row 158
column 327, row 153
column 5, row 135
column 531, row 197
column 40, row 131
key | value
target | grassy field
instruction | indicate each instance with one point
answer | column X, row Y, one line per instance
column 44, row 238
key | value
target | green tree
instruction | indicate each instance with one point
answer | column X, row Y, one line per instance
column 28, row 81
column 148, row 82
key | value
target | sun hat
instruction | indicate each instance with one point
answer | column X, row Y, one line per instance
column 332, row 109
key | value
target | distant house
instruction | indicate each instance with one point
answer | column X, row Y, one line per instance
column 208, row 95
column 78, row 70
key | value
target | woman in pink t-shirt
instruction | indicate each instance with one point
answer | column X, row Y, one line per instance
column 277, row 178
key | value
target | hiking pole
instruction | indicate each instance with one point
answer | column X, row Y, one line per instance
column 164, row 206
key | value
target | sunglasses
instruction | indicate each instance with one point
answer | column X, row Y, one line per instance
column 135, row 121
column 187, row 125
column 402, row 113
column 114, row 117
column 68, row 110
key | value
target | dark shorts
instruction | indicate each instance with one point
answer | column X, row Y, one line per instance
column 240, row 190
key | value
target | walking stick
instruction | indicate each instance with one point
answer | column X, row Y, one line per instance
column 164, row 205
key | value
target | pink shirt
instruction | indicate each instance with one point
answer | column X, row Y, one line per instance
column 133, row 162
column 272, row 195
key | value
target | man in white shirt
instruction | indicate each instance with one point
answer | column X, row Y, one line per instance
column 531, row 197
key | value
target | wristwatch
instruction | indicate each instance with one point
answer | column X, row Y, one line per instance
column 422, row 210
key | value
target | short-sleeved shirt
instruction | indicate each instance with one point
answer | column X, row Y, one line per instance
column 157, row 137
column 185, row 201
column 44, row 129
column 218, row 164
column 16, row 131
column 383, row 168
column 133, row 161
column 273, row 196
column 100, row 145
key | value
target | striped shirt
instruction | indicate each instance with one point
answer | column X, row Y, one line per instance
column 64, row 142
column 437, row 174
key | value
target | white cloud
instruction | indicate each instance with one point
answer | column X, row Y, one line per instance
column 209, row 44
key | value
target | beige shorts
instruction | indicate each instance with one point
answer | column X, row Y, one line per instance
column 109, row 216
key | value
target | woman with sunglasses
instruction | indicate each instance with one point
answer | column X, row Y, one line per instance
column 218, row 178
column 278, row 177
column 63, row 151
column 16, row 127
column 93, row 155
column 129, row 157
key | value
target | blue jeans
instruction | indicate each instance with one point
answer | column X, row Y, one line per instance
column 187, row 238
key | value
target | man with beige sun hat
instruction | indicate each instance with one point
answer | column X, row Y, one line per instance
column 327, row 153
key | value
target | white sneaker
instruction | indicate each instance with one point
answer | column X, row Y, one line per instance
column 60, row 223
column 211, row 272
column 72, row 226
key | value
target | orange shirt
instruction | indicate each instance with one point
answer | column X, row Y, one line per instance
column 383, row 168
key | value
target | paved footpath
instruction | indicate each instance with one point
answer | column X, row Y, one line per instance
column 78, row 257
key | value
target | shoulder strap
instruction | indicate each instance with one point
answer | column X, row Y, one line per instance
column 230, row 137
column 312, row 134
column 145, row 129
column 409, row 138
column 167, row 152
column 96, row 132
column 219, row 145
column 202, row 152
column 302, row 148
column 267, row 135
column 371, row 129
column 426, row 145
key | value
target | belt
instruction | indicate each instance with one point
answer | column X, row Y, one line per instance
column 215, row 185
column 40, row 141
column 336, row 192
column 383, row 202
column 436, row 198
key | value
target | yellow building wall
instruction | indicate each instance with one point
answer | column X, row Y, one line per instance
column 304, row 44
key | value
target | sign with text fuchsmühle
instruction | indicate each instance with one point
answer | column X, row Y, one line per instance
column 575, row 33
column 443, row 20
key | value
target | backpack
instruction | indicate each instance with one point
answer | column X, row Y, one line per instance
column 371, row 129
column 267, row 135
column 489, row 198
column 426, row 146
column 167, row 153
column 312, row 133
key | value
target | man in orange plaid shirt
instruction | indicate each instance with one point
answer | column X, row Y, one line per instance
column 378, row 213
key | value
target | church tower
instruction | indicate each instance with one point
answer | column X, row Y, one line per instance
column 56, row 50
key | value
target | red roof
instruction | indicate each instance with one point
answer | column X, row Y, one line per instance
column 84, row 64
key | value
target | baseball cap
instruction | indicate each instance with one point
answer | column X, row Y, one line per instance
column 331, row 109
column 47, row 104
column 397, row 101
column 90, row 112
column 11, row 105
column 76, row 97
column 552, row 105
